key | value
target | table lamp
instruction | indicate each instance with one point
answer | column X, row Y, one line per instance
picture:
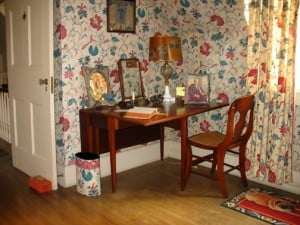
column 165, row 49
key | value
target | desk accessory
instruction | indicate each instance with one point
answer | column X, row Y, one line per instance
column 165, row 49
column 197, row 89
column 141, row 112
column 97, row 85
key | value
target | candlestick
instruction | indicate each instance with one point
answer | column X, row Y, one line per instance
column 133, row 98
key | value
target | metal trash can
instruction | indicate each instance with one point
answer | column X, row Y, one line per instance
column 88, row 174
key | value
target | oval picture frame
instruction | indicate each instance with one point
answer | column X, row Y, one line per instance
column 97, row 86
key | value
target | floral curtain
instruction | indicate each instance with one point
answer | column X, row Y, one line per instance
column 271, row 54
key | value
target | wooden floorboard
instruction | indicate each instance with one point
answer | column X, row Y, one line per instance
column 149, row 194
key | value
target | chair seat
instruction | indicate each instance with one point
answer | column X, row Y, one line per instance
column 207, row 140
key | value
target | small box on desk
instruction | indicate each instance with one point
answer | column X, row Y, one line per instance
column 40, row 184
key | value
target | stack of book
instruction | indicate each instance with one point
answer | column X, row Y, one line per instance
column 141, row 112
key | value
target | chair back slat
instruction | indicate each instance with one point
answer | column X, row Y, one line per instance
column 240, row 120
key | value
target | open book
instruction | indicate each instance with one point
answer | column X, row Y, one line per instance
column 141, row 112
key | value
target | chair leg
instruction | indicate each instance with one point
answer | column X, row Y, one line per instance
column 220, row 170
column 188, row 164
column 214, row 162
column 242, row 160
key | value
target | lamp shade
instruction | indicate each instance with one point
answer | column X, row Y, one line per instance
column 165, row 48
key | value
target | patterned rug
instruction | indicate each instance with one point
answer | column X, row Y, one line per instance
column 266, row 205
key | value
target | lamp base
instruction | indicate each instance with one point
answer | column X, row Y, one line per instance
column 167, row 96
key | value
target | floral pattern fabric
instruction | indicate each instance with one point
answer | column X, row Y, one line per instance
column 271, row 54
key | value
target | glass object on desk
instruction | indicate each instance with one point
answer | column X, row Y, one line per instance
column 180, row 94
column 165, row 49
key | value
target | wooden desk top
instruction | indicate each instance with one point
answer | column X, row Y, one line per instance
column 168, row 112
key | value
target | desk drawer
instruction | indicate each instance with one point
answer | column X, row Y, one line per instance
column 127, row 137
column 97, row 140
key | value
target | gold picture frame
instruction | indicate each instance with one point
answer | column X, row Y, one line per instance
column 197, row 89
column 97, row 85
column 121, row 16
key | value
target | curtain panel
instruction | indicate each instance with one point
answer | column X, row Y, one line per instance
column 271, row 62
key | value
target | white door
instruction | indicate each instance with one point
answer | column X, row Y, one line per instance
column 29, row 28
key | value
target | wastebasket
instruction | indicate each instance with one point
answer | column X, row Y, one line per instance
column 88, row 174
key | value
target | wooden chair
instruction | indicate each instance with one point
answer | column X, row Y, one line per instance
column 239, row 129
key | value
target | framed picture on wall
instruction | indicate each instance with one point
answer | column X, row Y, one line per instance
column 197, row 89
column 121, row 16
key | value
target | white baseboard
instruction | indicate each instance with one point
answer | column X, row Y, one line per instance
column 66, row 175
column 125, row 160
column 150, row 153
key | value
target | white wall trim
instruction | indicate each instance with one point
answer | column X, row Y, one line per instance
column 125, row 160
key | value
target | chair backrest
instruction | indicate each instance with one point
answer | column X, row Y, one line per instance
column 240, row 121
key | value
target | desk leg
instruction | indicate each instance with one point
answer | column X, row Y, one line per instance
column 161, row 141
column 183, row 126
column 86, row 132
column 112, row 150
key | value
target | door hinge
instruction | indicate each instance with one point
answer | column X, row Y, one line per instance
column 52, row 85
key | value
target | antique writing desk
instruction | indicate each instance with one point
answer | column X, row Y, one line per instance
column 106, row 130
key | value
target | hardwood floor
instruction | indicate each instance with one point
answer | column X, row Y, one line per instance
column 148, row 194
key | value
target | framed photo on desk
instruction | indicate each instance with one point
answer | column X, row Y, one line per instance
column 197, row 89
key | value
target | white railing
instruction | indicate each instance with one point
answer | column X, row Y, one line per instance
column 4, row 116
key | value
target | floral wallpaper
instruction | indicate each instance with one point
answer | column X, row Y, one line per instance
column 296, row 152
column 214, row 42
